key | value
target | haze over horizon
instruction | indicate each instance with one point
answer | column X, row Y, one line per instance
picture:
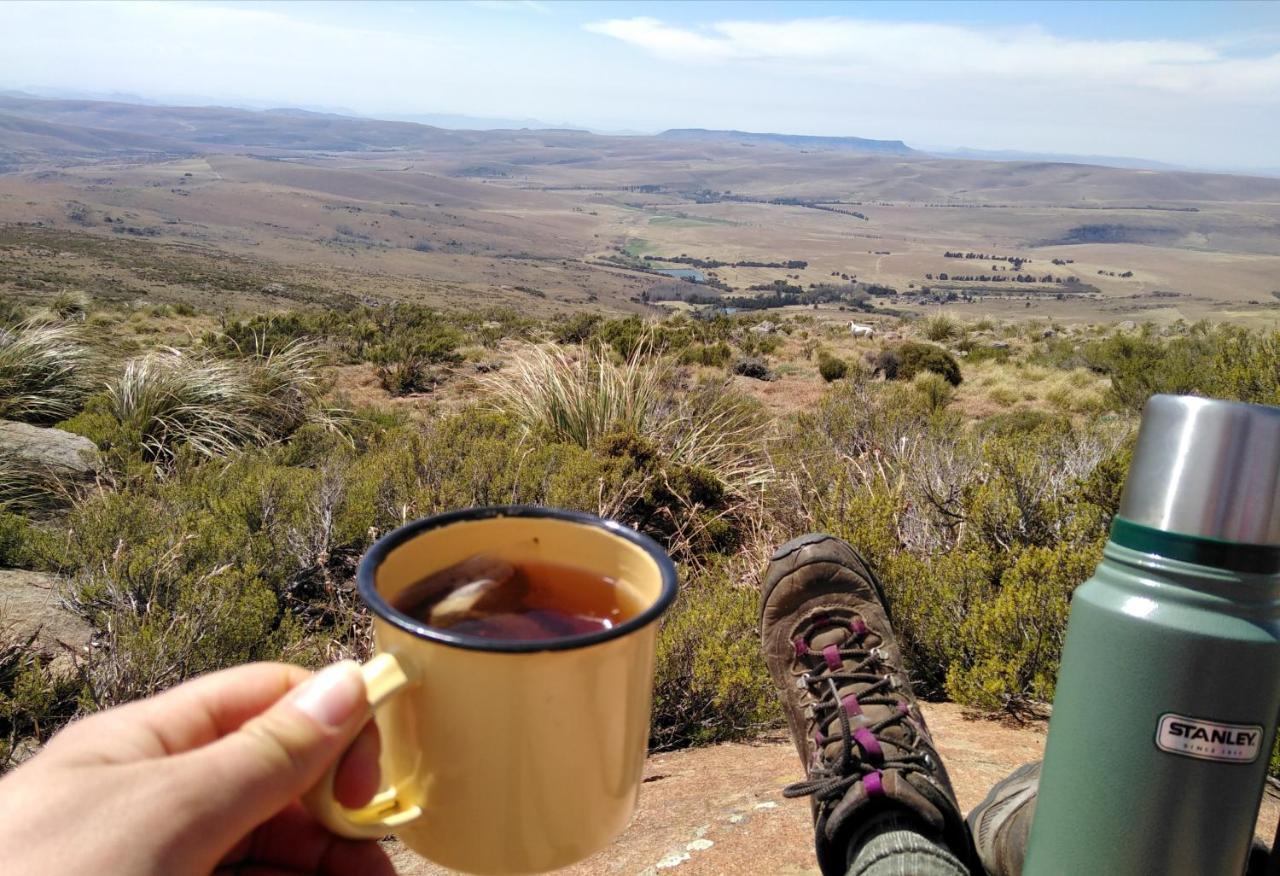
column 1196, row 85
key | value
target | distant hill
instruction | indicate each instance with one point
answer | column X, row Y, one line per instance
column 459, row 122
column 1058, row 157
column 214, row 126
column 800, row 141
column 26, row 140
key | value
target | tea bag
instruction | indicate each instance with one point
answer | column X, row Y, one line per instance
column 476, row 587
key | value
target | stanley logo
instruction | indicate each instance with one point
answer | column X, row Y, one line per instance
column 1209, row 740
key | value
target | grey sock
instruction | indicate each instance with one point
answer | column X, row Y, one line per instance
column 893, row 843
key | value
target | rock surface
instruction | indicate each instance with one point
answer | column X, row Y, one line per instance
column 61, row 453
column 30, row 603
column 720, row 809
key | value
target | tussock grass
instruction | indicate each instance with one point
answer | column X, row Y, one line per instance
column 941, row 328
column 284, row 384
column 45, row 372
column 580, row 400
column 213, row 406
column 27, row 487
column 168, row 398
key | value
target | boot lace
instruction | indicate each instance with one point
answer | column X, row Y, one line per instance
column 862, row 757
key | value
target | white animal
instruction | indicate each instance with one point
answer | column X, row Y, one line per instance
column 862, row 331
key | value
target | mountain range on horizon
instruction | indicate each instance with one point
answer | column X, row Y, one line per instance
column 347, row 129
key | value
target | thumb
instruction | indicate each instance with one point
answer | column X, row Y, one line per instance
column 249, row 775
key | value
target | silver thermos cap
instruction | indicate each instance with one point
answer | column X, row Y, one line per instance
column 1206, row 468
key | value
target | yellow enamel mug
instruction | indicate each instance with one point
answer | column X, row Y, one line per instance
column 506, row 756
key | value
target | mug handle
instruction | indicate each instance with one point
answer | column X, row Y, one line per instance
column 383, row 678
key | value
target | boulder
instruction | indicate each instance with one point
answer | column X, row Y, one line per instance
column 63, row 454
column 31, row 604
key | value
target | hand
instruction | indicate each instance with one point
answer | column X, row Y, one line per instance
column 201, row 779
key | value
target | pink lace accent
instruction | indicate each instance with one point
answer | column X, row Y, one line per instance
column 874, row 784
column 831, row 654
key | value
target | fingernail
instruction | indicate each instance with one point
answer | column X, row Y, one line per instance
column 333, row 696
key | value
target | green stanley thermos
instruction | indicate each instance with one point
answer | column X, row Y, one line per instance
column 1169, row 688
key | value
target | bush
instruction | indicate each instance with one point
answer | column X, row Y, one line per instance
column 711, row 684
column 907, row 360
column 45, row 372
column 1014, row 637
column 709, row 355
column 831, row 368
column 1219, row 362
column 934, row 391
column 402, row 371
column 14, row 533
column 36, row 698
column 578, row 329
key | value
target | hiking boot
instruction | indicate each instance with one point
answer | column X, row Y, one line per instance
column 1001, row 826
column 1001, row 823
column 832, row 653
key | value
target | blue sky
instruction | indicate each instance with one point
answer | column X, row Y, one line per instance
column 1189, row 83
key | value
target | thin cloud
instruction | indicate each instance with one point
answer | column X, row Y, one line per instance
column 915, row 52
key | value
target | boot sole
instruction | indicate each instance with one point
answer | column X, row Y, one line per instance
column 1010, row 793
column 862, row 568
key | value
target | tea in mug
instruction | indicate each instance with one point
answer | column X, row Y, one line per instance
column 523, row 600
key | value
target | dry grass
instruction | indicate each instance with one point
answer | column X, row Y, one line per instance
column 1007, row 385
column 45, row 371
column 580, row 399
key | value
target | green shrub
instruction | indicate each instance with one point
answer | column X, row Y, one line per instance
column 914, row 358
column 37, row 696
column 711, row 684
column 14, row 533
column 934, row 391
column 831, row 368
column 1220, row 362
column 627, row 337
column 905, row 361
column 45, row 372
column 710, row 355
column 578, row 329
column 1014, row 637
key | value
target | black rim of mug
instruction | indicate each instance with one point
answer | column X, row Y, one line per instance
column 369, row 563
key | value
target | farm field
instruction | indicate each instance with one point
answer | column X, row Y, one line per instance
column 558, row 221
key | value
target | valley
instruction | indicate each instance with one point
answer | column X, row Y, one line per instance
column 551, row 221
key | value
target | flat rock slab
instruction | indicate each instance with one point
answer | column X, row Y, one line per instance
column 30, row 603
column 62, row 453
column 720, row 809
